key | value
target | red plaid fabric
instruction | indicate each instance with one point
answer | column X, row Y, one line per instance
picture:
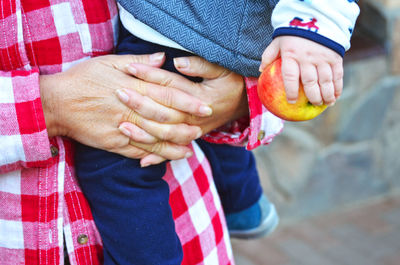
column 42, row 204
column 264, row 126
column 198, row 216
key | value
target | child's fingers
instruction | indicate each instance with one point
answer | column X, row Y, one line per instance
column 290, row 75
column 269, row 55
column 326, row 83
column 309, row 78
column 338, row 79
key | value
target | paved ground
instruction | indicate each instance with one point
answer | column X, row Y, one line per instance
column 368, row 234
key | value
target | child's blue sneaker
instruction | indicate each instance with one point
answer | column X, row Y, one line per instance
column 256, row 221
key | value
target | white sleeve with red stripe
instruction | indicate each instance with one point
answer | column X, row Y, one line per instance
column 23, row 136
column 328, row 22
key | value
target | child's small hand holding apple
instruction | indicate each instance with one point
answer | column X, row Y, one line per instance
column 319, row 69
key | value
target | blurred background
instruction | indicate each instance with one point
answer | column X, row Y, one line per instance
column 336, row 180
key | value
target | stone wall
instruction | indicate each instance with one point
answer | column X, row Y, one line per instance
column 381, row 19
column 351, row 153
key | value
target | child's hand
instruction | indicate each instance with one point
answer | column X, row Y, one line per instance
column 319, row 68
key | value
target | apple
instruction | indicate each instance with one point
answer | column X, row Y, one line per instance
column 271, row 92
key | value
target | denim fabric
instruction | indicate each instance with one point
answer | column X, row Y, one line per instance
column 130, row 208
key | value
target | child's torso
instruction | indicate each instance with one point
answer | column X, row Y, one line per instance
column 231, row 33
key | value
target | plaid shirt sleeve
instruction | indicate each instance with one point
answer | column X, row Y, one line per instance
column 23, row 136
column 258, row 129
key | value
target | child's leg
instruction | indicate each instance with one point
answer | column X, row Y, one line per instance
column 249, row 214
column 235, row 175
column 130, row 207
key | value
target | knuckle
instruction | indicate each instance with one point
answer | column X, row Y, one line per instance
column 292, row 94
column 289, row 76
column 144, row 75
column 313, row 94
column 329, row 98
column 309, row 81
column 113, row 146
column 137, row 58
column 202, row 65
column 162, row 117
column 186, row 141
column 193, row 119
column 339, row 75
column 166, row 133
column 167, row 97
column 338, row 83
column 339, row 87
column 109, row 146
column 136, row 152
column 338, row 72
column 133, row 117
column 325, row 81
column 141, row 87
column 188, row 134
column 158, row 147
column 167, row 81
column 135, row 104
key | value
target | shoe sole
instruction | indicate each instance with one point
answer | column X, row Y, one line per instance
column 264, row 229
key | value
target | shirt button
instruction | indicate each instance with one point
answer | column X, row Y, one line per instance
column 82, row 239
column 261, row 135
column 54, row 151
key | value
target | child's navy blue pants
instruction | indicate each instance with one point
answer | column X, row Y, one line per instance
column 130, row 204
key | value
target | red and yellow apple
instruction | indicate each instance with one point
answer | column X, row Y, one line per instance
column 272, row 94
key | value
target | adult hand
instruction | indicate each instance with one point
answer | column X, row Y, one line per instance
column 222, row 89
column 81, row 103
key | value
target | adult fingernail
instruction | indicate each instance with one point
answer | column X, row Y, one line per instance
column 188, row 154
column 157, row 57
column 199, row 134
column 205, row 110
column 181, row 62
column 292, row 101
column 125, row 131
column 122, row 96
column 144, row 164
column 331, row 104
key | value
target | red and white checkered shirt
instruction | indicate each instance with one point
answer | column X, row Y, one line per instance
column 42, row 206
